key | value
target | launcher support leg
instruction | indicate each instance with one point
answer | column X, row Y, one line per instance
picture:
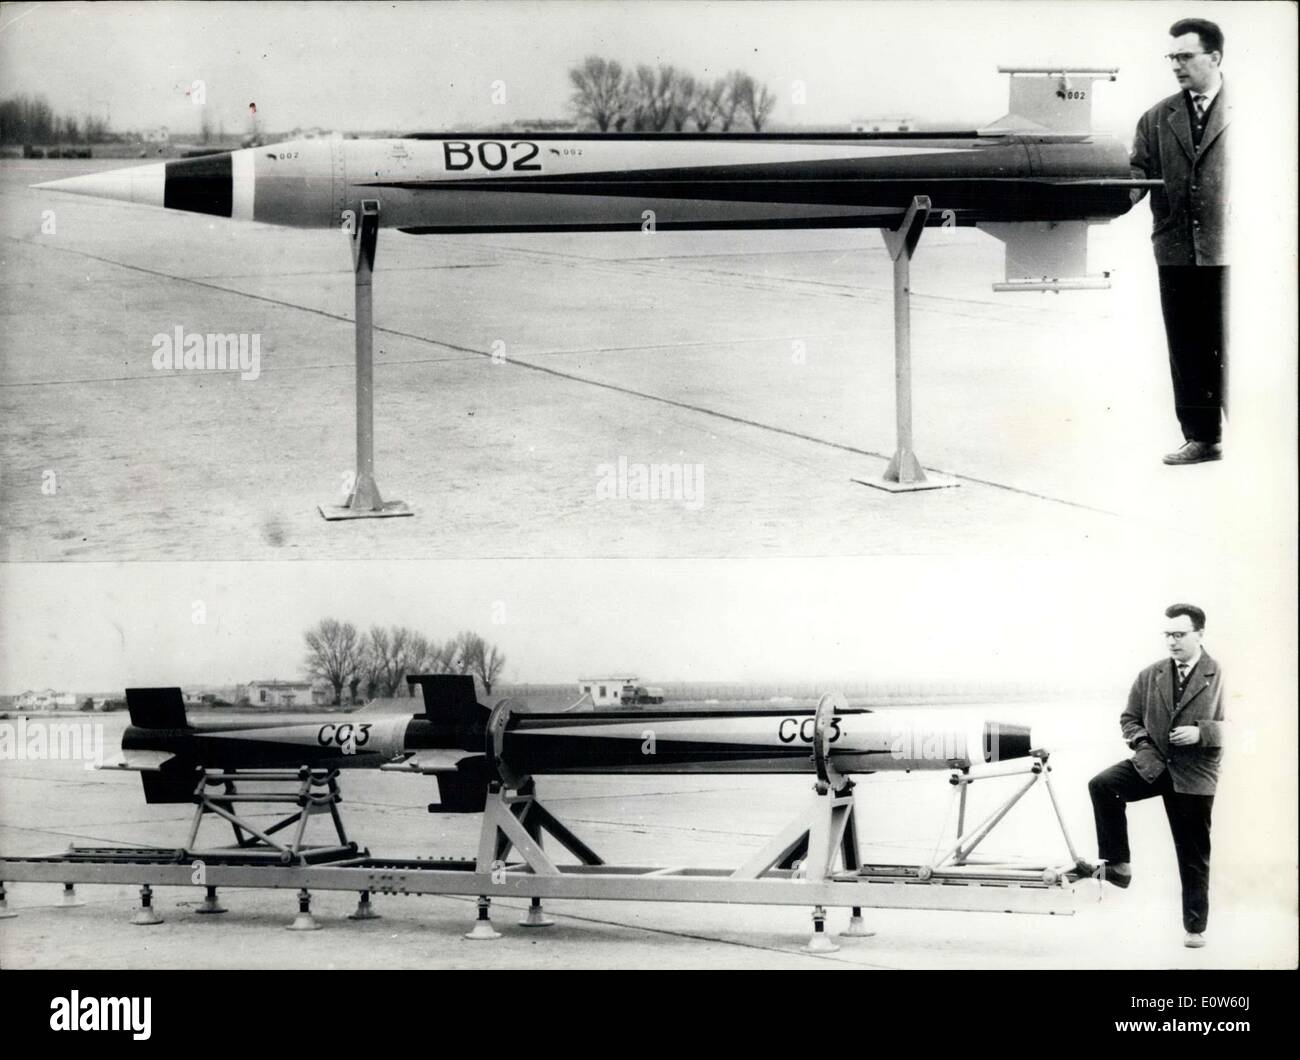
column 304, row 921
column 210, row 904
column 536, row 915
column 70, row 899
column 5, row 912
column 483, row 929
column 146, row 915
column 365, row 911
column 820, row 942
column 904, row 473
column 364, row 502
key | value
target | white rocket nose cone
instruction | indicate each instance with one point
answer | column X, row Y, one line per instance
column 141, row 184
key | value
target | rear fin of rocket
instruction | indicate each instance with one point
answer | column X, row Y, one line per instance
column 451, row 701
column 1046, row 256
column 171, row 784
column 1050, row 99
column 156, row 708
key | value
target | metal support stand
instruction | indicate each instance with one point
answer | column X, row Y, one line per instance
column 364, row 502
column 146, row 915
column 1039, row 772
column 210, row 905
column 312, row 791
column 820, row 942
column 365, row 911
column 5, row 912
column 515, row 820
column 304, row 921
column 483, row 929
column 904, row 473
column 536, row 915
column 70, row 899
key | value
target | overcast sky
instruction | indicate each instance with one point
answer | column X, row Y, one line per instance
column 414, row 66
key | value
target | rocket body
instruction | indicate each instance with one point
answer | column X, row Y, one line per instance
column 464, row 744
column 450, row 183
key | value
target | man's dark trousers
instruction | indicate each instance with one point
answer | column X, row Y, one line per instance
column 1193, row 300
column 1189, row 821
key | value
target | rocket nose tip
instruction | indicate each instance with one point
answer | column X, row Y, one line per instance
column 140, row 184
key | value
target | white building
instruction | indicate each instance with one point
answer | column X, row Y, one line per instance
column 606, row 691
column 288, row 694
column 870, row 125
column 46, row 699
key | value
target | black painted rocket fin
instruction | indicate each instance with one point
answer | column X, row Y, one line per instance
column 157, row 708
column 451, row 702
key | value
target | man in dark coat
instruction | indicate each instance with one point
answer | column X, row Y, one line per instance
column 1182, row 141
column 1174, row 725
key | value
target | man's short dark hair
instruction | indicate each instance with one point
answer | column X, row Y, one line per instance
column 1190, row 610
column 1210, row 34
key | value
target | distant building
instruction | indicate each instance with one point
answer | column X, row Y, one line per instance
column 870, row 125
column 606, row 691
column 160, row 135
column 288, row 694
column 544, row 125
column 46, row 699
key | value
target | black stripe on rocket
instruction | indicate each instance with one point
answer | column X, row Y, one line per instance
column 536, row 753
column 200, row 185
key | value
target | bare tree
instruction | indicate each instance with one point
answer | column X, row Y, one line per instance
column 417, row 655
column 334, row 653
column 706, row 104
column 653, row 97
column 730, row 97
column 681, row 100
column 600, row 92
column 476, row 656
column 757, row 102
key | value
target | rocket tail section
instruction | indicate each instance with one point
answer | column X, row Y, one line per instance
column 157, row 708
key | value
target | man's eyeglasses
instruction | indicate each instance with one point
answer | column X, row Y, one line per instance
column 1183, row 58
column 1174, row 634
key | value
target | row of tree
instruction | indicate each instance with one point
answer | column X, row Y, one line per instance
column 610, row 98
column 31, row 120
column 375, row 663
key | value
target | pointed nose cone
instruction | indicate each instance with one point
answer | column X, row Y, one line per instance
column 142, row 184
column 198, row 185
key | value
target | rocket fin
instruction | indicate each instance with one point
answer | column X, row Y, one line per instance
column 156, row 708
column 1045, row 256
column 1049, row 100
column 451, row 699
column 170, row 785
column 140, row 761
column 427, row 762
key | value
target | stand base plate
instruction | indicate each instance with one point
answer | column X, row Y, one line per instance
column 388, row 510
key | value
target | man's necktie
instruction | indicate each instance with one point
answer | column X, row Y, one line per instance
column 1199, row 102
column 1182, row 680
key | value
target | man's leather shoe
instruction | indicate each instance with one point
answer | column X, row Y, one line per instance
column 1195, row 453
column 1119, row 874
column 1194, row 940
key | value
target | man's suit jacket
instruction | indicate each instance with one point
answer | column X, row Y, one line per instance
column 1189, row 212
column 1151, row 714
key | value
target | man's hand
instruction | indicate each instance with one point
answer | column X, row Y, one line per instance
column 1185, row 736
